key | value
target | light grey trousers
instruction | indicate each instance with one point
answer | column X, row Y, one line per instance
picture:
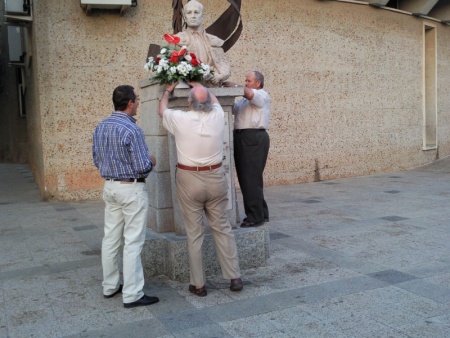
column 126, row 214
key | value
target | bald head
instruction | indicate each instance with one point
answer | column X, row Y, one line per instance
column 199, row 99
column 200, row 93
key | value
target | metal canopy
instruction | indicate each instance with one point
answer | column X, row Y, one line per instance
column 433, row 9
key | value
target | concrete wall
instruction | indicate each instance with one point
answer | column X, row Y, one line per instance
column 346, row 82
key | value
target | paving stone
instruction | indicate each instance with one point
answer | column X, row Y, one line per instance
column 429, row 290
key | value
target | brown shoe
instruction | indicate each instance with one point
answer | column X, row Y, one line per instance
column 236, row 284
column 198, row 292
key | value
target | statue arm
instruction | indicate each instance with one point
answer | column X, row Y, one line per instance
column 222, row 69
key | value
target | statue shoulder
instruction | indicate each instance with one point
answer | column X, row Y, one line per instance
column 215, row 41
column 184, row 38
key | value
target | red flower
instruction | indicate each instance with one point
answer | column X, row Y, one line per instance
column 174, row 57
column 194, row 60
column 157, row 60
column 171, row 38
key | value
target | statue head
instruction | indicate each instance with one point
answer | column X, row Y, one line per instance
column 193, row 14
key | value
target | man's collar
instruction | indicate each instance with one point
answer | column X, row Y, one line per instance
column 123, row 114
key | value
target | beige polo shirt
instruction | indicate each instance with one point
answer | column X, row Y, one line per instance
column 198, row 135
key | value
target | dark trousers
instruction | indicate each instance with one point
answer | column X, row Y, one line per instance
column 251, row 147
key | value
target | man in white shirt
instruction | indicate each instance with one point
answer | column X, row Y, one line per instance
column 251, row 146
column 201, row 182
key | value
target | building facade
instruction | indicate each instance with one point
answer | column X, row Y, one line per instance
column 356, row 88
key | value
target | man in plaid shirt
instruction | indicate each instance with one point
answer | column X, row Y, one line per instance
column 122, row 156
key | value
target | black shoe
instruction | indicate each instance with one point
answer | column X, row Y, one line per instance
column 144, row 301
column 248, row 224
column 119, row 290
column 236, row 284
column 266, row 219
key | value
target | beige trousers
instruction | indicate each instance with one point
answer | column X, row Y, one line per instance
column 207, row 191
column 126, row 213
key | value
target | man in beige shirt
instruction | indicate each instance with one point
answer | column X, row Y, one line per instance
column 201, row 183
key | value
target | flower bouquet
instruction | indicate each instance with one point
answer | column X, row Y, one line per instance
column 172, row 65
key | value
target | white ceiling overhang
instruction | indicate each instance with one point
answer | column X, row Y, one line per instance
column 437, row 10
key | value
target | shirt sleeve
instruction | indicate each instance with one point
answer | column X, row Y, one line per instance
column 168, row 121
column 217, row 107
column 173, row 119
column 258, row 98
column 140, row 155
column 94, row 152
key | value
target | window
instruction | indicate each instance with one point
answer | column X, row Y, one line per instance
column 430, row 88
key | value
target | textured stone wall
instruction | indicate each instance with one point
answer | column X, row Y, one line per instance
column 346, row 83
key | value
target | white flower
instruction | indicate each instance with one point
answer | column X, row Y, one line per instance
column 164, row 64
column 164, row 72
column 182, row 68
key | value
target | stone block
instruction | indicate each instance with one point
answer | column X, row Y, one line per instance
column 150, row 92
column 149, row 120
column 166, row 253
column 160, row 192
column 158, row 146
column 160, row 220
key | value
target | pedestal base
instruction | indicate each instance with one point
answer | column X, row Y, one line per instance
column 166, row 253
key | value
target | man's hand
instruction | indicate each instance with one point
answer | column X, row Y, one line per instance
column 194, row 84
column 153, row 159
column 230, row 84
column 171, row 86
column 164, row 101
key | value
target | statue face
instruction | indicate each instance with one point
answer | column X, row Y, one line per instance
column 193, row 14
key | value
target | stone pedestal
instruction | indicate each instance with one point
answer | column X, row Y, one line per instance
column 165, row 251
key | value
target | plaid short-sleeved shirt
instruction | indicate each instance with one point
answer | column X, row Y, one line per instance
column 119, row 149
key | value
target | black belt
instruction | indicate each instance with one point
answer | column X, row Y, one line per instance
column 140, row 180
column 248, row 129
